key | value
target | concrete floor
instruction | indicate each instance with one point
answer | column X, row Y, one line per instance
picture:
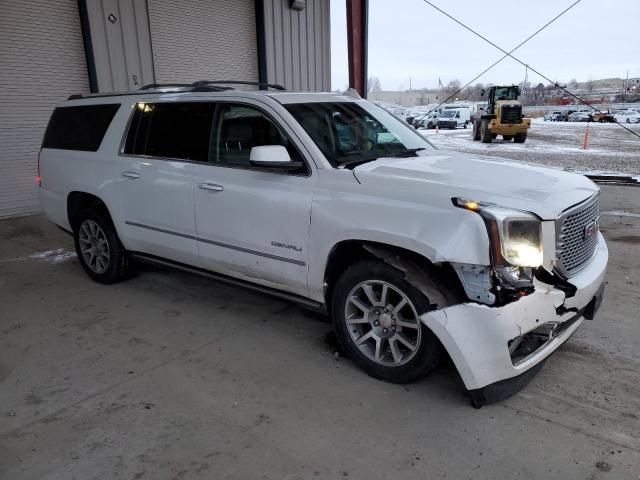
column 171, row 376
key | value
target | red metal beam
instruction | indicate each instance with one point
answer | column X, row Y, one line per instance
column 357, row 44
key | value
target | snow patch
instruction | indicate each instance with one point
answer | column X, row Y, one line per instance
column 54, row 256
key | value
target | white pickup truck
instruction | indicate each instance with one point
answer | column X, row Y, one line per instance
column 328, row 200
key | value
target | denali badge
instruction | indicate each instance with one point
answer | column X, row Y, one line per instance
column 287, row 246
column 590, row 229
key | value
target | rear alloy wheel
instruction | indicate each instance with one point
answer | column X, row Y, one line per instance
column 377, row 321
column 520, row 137
column 99, row 249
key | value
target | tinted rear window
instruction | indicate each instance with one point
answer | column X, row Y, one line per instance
column 79, row 128
column 171, row 130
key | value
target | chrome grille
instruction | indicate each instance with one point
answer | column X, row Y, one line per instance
column 577, row 236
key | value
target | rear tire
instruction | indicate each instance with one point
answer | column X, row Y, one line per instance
column 99, row 249
column 520, row 137
column 375, row 316
column 476, row 130
column 485, row 133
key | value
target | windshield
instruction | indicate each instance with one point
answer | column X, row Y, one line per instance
column 506, row 93
column 356, row 132
column 448, row 113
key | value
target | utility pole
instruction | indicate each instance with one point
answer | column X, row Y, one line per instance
column 625, row 87
column 410, row 82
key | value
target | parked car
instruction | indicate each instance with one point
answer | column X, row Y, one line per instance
column 580, row 117
column 454, row 118
column 553, row 116
column 627, row 116
column 602, row 117
column 429, row 120
column 334, row 203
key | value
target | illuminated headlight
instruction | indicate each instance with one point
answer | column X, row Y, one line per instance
column 521, row 242
column 516, row 238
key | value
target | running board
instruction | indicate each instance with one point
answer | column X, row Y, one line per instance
column 289, row 297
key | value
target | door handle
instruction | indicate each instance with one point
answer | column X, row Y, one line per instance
column 211, row 187
column 131, row 175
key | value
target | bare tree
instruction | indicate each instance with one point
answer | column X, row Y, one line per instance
column 373, row 84
column 452, row 87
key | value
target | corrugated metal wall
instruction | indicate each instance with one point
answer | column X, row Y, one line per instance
column 42, row 61
column 121, row 44
column 203, row 40
column 298, row 45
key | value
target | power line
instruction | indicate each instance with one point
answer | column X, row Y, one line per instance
column 508, row 54
column 504, row 56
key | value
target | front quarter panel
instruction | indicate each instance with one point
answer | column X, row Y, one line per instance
column 344, row 209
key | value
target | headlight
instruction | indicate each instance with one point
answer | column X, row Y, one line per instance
column 522, row 242
column 516, row 238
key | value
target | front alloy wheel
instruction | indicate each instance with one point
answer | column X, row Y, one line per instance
column 376, row 316
column 382, row 323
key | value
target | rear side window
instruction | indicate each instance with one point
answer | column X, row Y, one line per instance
column 79, row 128
column 171, row 130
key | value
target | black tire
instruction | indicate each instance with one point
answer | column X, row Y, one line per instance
column 520, row 137
column 429, row 350
column 628, row 120
column 485, row 133
column 476, row 130
column 117, row 266
column 466, row 124
column 507, row 138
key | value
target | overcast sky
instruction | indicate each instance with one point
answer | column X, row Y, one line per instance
column 408, row 38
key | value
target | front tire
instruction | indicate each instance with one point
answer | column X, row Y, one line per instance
column 485, row 133
column 99, row 249
column 376, row 319
column 520, row 137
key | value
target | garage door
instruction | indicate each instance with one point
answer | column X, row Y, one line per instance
column 203, row 40
column 41, row 62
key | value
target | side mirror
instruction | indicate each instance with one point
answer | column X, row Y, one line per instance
column 482, row 92
column 272, row 156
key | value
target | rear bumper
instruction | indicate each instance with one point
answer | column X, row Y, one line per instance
column 55, row 207
column 477, row 337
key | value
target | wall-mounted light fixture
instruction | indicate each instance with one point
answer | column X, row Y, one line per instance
column 298, row 4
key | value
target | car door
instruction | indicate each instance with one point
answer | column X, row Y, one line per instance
column 253, row 223
column 165, row 141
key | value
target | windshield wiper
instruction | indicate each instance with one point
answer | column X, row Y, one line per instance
column 407, row 152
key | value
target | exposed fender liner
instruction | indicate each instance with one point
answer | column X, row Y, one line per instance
column 416, row 276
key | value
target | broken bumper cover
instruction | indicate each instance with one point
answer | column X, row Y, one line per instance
column 477, row 336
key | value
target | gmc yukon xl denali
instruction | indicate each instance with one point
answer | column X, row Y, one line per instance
column 330, row 201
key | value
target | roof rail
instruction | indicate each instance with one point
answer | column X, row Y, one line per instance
column 199, row 86
column 200, row 83
column 149, row 86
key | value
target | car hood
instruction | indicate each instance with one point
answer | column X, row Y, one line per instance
column 547, row 192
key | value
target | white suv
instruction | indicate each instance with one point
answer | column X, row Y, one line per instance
column 330, row 201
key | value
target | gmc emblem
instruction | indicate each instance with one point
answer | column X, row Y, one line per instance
column 590, row 229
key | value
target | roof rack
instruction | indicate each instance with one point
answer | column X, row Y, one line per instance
column 200, row 83
column 199, row 86
column 149, row 86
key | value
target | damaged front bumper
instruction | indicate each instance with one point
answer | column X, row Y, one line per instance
column 498, row 349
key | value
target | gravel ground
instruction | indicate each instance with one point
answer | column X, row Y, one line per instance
column 611, row 149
